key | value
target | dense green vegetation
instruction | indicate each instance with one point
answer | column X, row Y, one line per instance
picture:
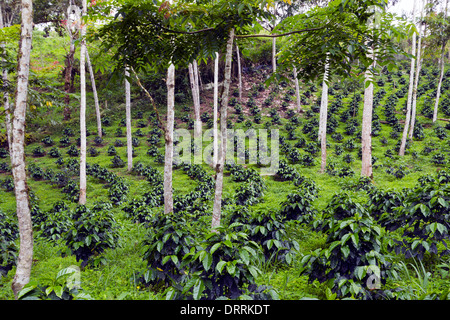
column 294, row 235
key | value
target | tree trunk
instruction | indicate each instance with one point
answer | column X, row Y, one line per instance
column 366, row 136
column 223, row 128
column 216, row 100
column 297, row 91
column 239, row 73
column 416, row 83
column 323, row 120
column 94, row 91
column 168, row 193
column 83, row 110
column 193, row 79
column 197, row 97
column 442, row 65
column 274, row 54
column 128, row 122
column 17, row 152
column 410, row 93
column 6, row 106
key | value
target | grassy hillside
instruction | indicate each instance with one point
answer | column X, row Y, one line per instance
column 52, row 163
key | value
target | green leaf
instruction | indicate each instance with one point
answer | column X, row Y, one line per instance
column 228, row 243
column 345, row 238
column 355, row 239
column 415, row 244
column 215, row 247
column 255, row 272
column 198, row 289
column 345, row 251
column 88, row 240
column 25, row 290
column 174, row 259
column 245, row 256
column 443, row 202
column 189, row 284
column 220, row 265
column 441, row 228
column 207, row 261
column 48, row 290
column 58, row 291
column 231, row 269
column 360, row 272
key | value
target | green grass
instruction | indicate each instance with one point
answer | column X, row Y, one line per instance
column 117, row 279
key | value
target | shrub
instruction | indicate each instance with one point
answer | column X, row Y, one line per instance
column 423, row 219
column 223, row 266
column 352, row 253
column 38, row 151
column 73, row 151
column 98, row 141
column 9, row 250
column 54, row 152
column 48, row 141
column 117, row 162
column 169, row 239
column 91, row 233
column 64, row 142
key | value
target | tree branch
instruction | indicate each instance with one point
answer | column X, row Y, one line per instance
column 151, row 100
column 277, row 35
column 187, row 32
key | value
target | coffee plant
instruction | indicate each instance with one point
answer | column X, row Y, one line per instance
column 91, row 233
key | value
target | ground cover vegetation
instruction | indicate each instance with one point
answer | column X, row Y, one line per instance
column 300, row 233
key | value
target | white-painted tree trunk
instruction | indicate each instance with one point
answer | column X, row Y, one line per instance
column 410, row 93
column 94, row 92
column 6, row 102
column 323, row 120
column 366, row 134
column 197, row 110
column 239, row 73
column 215, row 111
column 274, row 54
column 128, row 122
column 416, row 80
column 217, row 207
column 17, row 153
column 168, row 193
column 197, row 123
column 297, row 91
column 441, row 76
column 82, row 199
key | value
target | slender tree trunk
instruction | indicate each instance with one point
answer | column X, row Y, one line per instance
column 416, row 84
column 5, row 92
column 323, row 120
column 297, row 91
column 274, row 54
column 223, row 128
column 94, row 91
column 441, row 65
column 128, row 122
column 366, row 136
column 17, row 152
column 416, row 80
column 83, row 109
column 216, row 100
column 168, row 193
column 239, row 73
column 410, row 93
column 197, row 123
column 197, row 110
